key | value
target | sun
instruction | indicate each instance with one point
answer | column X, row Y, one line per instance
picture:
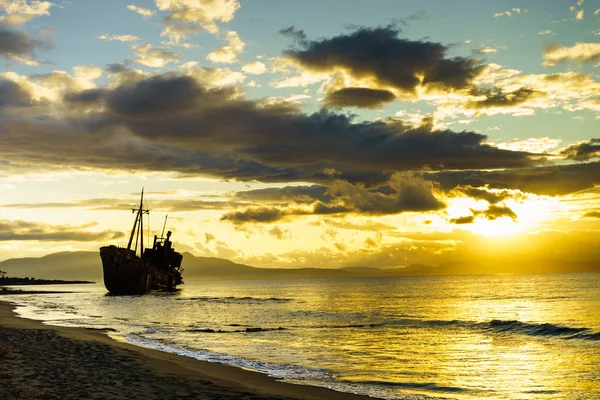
column 529, row 215
column 498, row 227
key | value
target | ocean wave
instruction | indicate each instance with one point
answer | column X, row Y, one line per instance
column 533, row 329
column 278, row 371
column 510, row 326
column 245, row 330
column 232, row 299
column 430, row 386
column 347, row 326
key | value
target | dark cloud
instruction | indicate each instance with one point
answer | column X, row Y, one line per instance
column 279, row 233
column 492, row 213
column 582, row 151
column 26, row 230
column 592, row 214
column 12, row 95
column 161, row 95
column 410, row 193
column 468, row 219
column 378, row 53
column 17, row 46
column 297, row 34
column 297, row 194
column 547, row 180
column 484, row 193
column 502, row 99
column 125, row 204
column 358, row 97
column 84, row 98
column 173, row 123
column 260, row 215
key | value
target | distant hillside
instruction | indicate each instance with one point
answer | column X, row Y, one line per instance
column 86, row 265
column 208, row 268
column 68, row 265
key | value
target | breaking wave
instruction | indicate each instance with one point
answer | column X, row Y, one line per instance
column 495, row 326
column 245, row 330
column 510, row 326
column 279, row 371
column 232, row 299
column 532, row 329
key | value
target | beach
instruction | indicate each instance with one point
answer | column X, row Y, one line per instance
column 39, row 361
column 386, row 338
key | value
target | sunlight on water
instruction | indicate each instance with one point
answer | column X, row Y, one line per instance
column 463, row 337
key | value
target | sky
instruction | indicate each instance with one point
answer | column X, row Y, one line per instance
column 303, row 134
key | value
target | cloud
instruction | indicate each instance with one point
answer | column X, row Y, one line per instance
column 485, row 98
column 211, row 77
column 486, row 50
column 171, row 205
column 505, row 91
column 255, row 68
column 175, row 122
column 229, row 53
column 150, row 56
column 582, row 151
column 545, row 32
column 358, row 97
column 20, row 11
column 492, row 196
column 369, row 226
column 189, row 16
column 119, row 38
column 19, row 47
column 379, row 55
column 13, row 95
column 144, row 12
column 467, row 219
column 296, row 194
column 296, row 34
column 509, row 13
column 88, row 72
column 37, row 231
column 542, row 144
column 592, row 214
column 580, row 53
column 544, row 180
column 179, row 44
column 492, row 213
column 260, row 215
column 279, row 233
column 408, row 192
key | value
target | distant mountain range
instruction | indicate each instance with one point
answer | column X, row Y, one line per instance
column 86, row 265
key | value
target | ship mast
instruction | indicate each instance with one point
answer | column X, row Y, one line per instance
column 140, row 231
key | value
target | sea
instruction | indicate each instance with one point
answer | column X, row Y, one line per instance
column 452, row 337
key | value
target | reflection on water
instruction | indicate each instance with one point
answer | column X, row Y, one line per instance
column 464, row 337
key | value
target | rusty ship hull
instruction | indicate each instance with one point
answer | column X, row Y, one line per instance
column 156, row 269
column 126, row 273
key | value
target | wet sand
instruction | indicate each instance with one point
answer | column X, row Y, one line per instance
column 38, row 361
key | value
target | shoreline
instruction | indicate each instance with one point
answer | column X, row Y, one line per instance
column 45, row 361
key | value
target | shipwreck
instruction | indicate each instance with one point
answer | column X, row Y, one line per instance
column 154, row 269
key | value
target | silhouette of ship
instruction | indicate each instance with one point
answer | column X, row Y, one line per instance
column 156, row 269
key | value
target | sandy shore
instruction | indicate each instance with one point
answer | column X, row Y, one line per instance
column 46, row 362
